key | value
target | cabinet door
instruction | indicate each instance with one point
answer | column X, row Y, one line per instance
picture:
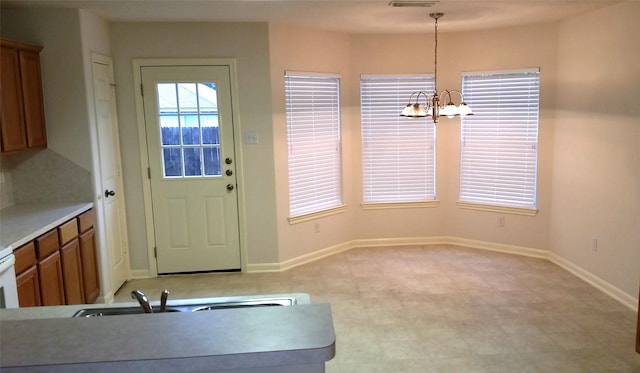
column 32, row 99
column 13, row 133
column 28, row 288
column 50, row 273
column 90, row 276
column 72, row 272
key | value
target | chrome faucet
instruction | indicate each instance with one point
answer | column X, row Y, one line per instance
column 142, row 299
column 144, row 302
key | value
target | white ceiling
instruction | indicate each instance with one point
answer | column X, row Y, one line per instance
column 352, row 16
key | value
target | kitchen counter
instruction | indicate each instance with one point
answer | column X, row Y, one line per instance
column 260, row 339
column 20, row 224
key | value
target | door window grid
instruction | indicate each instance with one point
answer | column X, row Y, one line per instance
column 189, row 130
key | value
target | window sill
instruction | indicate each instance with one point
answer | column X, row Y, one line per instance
column 319, row 214
column 398, row 205
column 495, row 208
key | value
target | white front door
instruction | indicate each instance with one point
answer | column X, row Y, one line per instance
column 113, row 206
column 189, row 130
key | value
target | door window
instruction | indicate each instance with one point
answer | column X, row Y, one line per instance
column 189, row 129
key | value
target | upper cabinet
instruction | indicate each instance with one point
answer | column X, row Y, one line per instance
column 22, row 121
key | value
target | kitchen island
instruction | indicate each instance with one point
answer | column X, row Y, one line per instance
column 243, row 340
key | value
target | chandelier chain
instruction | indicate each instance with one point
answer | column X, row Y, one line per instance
column 435, row 60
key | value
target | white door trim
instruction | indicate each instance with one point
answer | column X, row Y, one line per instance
column 142, row 139
column 107, row 292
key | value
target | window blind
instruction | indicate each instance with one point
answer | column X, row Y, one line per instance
column 313, row 139
column 398, row 153
column 499, row 143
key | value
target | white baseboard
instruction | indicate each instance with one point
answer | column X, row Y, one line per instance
column 582, row 273
column 596, row 281
column 137, row 274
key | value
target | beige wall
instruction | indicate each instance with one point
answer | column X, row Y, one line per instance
column 58, row 30
column 248, row 44
column 513, row 48
column 589, row 160
column 596, row 176
column 297, row 49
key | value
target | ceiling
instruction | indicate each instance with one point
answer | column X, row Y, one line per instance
column 351, row 16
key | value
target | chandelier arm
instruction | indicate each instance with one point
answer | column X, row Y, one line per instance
column 448, row 93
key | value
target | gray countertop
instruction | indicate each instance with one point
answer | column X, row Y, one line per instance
column 20, row 224
column 168, row 342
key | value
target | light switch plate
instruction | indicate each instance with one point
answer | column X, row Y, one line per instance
column 251, row 138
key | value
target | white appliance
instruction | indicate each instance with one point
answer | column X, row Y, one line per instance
column 8, row 287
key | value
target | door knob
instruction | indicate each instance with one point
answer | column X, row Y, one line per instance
column 109, row 193
column 229, row 186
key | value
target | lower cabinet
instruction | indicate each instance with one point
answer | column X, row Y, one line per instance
column 72, row 272
column 51, row 287
column 29, row 288
column 59, row 267
column 88, row 254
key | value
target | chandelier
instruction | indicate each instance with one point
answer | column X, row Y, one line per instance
column 424, row 104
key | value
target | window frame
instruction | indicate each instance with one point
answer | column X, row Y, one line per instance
column 528, row 137
column 309, row 204
column 380, row 104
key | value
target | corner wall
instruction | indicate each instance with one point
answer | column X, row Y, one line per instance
column 307, row 50
column 61, row 59
column 596, row 167
column 248, row 44
column 490, row 50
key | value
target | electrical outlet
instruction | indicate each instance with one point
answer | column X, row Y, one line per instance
column 594, row 245
column 501, row 221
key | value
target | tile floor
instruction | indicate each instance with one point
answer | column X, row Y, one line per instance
column 443, row 309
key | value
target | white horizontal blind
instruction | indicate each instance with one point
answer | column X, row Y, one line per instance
column 398, row 153
column 499, row 143
column 313, row 138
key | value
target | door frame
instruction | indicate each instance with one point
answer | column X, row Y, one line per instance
column 104, row 263
column 138, row 64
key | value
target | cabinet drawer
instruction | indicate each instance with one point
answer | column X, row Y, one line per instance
column 68, row 231
column 47, row 244
column 85, row 221
column 25, row 257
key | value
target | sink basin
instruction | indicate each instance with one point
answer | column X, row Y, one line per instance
column 113, row 311
column 191, row 306
column 247, row 303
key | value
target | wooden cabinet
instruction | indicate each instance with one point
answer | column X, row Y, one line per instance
column 71, row 262
column 89, row 257
column 72, row 272
column 51, row 287
column 60, row 266
column 27, row 279
column 22, row 123
column 28, row 284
